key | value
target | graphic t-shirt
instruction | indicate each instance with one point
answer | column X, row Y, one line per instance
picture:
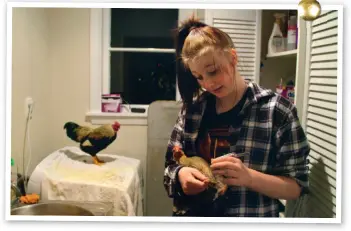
column 219, row 132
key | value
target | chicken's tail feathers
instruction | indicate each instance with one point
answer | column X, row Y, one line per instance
column 220, row 192
column 71, row 130
column 70, row 124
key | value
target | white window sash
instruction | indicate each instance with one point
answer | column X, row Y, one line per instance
column 147, row 50
column 96, row 78
column 106, row 34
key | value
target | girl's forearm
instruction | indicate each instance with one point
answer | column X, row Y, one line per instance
column 278, row 187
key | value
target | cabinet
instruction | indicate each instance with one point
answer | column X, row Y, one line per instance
column 321, row 112
column 315, row 64
column 314, row 68
column 286, row 65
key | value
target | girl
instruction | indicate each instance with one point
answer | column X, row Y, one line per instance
column 224, row 113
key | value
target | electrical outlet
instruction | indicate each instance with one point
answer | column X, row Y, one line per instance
column 28, row 104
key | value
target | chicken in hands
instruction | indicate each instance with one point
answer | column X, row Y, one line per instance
column 201, row 165
column 92, row 140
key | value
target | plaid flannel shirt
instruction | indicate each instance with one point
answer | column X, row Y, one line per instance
column 272, row 137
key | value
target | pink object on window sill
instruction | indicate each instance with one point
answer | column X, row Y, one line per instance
column 111, row 103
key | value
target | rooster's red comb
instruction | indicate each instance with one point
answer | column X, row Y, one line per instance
column 116, row 126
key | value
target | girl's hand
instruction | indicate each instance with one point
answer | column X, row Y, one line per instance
column 234, row 172
column 192, row 180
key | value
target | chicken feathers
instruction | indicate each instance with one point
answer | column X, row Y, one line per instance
column 76, row 132
column 201, row 165
column 92, row 140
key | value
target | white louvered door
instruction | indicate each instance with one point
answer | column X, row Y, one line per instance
column 320, row 114
column 244, row 27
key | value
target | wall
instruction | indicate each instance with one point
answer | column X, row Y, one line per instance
column 69, row 70
column 51, row 63
column 30, row 77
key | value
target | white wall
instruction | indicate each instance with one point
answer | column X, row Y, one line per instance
column 31, row 77
column 51, row 63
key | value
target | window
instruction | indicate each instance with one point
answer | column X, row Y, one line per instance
column 139, row 54
column 131, row 49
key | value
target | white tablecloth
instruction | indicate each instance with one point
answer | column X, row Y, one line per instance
column 69, row 174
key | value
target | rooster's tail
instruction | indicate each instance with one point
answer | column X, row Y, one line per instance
column 71, row 130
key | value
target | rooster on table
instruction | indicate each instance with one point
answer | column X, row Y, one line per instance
column 92, row 140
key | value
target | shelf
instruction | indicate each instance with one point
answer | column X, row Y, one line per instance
column 124, row 118
column 283, row 54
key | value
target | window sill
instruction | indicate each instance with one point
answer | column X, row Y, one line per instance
column 124, row 118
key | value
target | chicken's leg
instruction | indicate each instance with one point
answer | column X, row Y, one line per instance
column 97, row 161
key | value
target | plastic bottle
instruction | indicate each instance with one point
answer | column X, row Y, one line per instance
column 279, row 88
column 290, row 94
column 276, row 41
column 284, row 30
column 297, row 33
column 292, row 29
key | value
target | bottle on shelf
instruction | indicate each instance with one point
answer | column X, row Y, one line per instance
column 292, row 33
column 276, row 40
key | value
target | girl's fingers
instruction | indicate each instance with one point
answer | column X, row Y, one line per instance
column 198, row 175
column 226, row 173
column 224, row 165
column 223, row 158
column 231, row 181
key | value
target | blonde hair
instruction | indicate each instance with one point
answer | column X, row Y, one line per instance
column 193, row 39
column 202, row 40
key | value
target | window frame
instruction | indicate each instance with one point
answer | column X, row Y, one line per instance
column 100, row 21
